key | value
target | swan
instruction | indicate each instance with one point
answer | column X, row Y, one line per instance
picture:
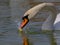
column 48, row 23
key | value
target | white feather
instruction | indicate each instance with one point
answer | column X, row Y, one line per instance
column 48, row 24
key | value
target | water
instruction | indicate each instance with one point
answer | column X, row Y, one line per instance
column 9, row 31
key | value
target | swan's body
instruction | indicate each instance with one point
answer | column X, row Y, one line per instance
column 57, row 22
column 48, row 23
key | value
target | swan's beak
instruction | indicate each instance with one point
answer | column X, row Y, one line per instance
column 24, row 22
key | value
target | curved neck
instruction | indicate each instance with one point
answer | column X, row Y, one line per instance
column 48, row 24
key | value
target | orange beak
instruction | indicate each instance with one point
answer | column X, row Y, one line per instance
column 24, row 22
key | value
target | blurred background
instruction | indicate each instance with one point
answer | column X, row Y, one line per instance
column 11, row 12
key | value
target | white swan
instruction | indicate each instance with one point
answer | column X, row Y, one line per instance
column 48, row 24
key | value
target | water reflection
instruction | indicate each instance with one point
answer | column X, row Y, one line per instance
column 8, row 26
column 57, row 26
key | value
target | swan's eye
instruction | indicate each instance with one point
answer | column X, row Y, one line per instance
column 25, row 17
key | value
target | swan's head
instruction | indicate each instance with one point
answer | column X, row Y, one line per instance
column 25, row 20
column 27, row 16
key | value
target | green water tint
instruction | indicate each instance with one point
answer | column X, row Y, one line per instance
column 22, row 33
column 52, row 39
column 48, row 32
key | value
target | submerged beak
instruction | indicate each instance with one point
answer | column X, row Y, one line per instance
column 24, row 22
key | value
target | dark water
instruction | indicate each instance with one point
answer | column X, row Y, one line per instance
column 9, row 31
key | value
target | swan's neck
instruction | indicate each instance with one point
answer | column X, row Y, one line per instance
column 48, row 24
